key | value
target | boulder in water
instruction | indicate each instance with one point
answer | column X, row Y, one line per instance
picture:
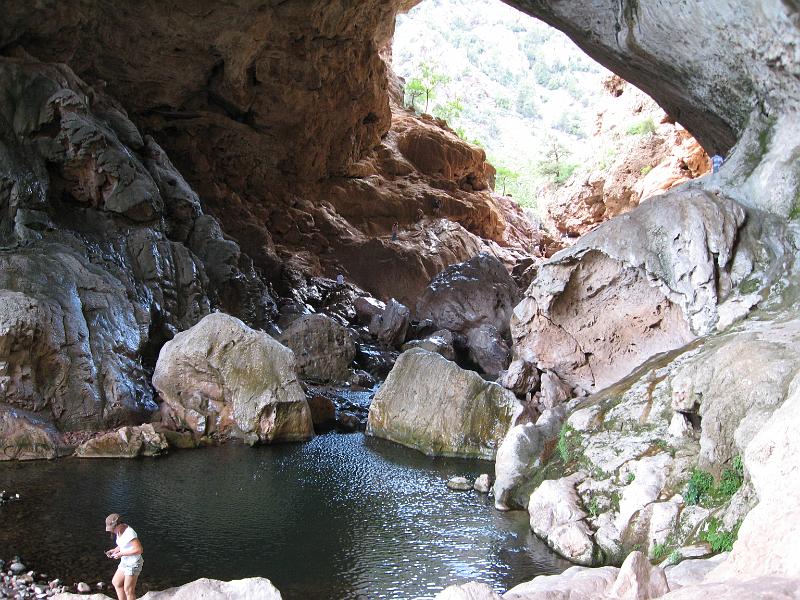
column 126, row 442
column 224, row 379
column 431, row 404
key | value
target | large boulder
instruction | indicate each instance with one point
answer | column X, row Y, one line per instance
column 390, row 326
column 224, row 379
column 126, row 442
column 556, row 516
column 430, row 404
column 323, row 349
column 644, row 283
column 23, row 436
column 470, row 294
column 521, row 453
column 488, row 349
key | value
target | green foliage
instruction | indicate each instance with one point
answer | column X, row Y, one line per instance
column 699, row 487
column 526, row 102
column 731, row 479
column 659, row 551
column 630, row 478
column 503, row 177
column 645, row 170
column 720, row 540
column 643, row 127
column 615, row 498
column 571, row 123
column 608, row 156
column 503, row 103
column 450, row 111
column 423, row 87
column 674, row 557
column 594, row 508
column 567, row 442
column 518, row 184
column 660, row 444
column 553, row 165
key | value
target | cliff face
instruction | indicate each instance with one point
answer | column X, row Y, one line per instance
column 642, row 154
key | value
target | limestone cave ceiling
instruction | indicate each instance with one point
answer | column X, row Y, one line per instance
column 307, row 78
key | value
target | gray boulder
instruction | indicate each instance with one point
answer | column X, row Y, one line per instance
column 391, row 325
column 440, row 342
column 224, row 379
column 488, row 349
column 323, row 349
column 469, row 294
column 430, row 404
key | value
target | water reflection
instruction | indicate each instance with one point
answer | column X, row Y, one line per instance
column 341, row 517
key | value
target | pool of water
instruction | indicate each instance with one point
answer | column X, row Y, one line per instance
column 340, row 517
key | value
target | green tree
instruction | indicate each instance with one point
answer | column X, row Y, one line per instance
column 423, row 87
column 504, row 178
column 450, row 111
column 554, row 165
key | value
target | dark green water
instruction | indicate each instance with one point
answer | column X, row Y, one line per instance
column 340, row 517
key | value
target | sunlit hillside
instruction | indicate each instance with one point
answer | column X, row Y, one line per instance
column 518, row 87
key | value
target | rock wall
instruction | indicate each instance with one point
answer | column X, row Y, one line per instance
column 297, row 162
column 101, row 252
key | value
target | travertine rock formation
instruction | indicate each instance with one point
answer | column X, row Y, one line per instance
column 430, row 404
column 645, row 283
column 222, row 379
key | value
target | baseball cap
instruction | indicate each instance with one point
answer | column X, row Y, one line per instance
column 112, row 520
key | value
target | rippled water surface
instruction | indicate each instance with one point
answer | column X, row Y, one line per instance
column 340, row 517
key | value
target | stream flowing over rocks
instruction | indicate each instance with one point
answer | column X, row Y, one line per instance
column 239, row 240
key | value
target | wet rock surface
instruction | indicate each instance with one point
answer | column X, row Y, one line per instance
column 100, row 261
column 323, row 349
column 126, row 442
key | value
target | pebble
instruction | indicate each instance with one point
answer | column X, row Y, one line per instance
column 483, row 483
column 459, row 484
column 6, row 497
column 18, row 583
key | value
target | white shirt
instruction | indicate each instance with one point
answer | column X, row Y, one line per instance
column 125, row 539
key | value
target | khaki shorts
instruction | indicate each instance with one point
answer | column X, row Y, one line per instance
column 131, row 565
